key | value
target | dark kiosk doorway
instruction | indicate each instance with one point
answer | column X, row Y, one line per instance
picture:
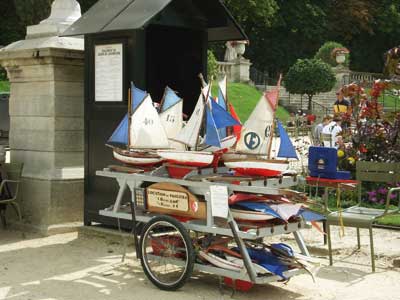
column 160, row 42
column 175, row 58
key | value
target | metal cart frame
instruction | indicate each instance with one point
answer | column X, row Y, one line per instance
column 201, row 186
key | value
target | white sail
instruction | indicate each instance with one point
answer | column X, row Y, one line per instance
column 257, row 131
column 146, row 130
column 189, row 134
column 172, row 121
column 222, row 86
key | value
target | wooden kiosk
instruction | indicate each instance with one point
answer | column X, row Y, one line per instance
column 153, row 43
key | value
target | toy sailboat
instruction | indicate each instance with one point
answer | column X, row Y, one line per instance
column 170, row 113
column 227, row 140
column 252, row 155
column 140, row 132
column 207, row 115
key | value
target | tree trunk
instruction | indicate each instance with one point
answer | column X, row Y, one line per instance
column 310, row 103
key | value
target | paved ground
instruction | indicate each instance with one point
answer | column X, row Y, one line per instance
column 75, row 267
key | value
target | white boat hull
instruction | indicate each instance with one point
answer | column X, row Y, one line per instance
column 247, row 215
column 141, row 160
column 187, row 158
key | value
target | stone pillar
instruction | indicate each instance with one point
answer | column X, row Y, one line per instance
column 342, row 74
column 46, row 73
column 241, row 70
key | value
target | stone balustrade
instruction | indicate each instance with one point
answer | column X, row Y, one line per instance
column 362, row 77
column 237, row 70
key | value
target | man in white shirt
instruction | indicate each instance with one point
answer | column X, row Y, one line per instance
column 318, row 129
column 333, row 128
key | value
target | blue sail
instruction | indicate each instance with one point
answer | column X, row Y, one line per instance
column 137, row 96
column 286, row 148
column 212, row 137
column 221, row 117
column 221, row 99
column 120, row 135
column 170, row 99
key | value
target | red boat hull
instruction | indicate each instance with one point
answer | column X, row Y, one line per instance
column 257, row 172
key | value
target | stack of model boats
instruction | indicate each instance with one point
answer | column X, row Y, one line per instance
column 213, row 135
column 273, row 209
column 266, row 259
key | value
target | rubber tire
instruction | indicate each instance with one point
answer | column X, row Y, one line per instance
column 190, row 253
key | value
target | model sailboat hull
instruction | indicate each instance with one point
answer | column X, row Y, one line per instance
column 137, row 159
column 264, row 168
column 187, row 158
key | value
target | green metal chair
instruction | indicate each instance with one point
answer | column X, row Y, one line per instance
column 362, row 217
column 9, row 187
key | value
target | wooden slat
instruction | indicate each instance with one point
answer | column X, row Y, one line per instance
column 378, row 172
column 124, row 169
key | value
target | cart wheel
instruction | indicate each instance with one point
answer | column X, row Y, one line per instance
column 166, row 252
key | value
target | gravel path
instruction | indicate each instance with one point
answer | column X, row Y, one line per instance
column 75, row 267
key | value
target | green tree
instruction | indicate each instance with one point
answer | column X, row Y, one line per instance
column 309, row 77
column 32, row 12
column 325, row 53
column 212, row 67
column 291, row 29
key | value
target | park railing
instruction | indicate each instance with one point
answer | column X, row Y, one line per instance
column 364, row 78
column 259, row 78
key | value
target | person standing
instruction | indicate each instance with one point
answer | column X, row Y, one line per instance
column 334, row 128
column 318, row 129
column 342, row 105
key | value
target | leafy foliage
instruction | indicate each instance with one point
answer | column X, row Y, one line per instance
column 310, row 77
column 212, row 66
column 325, row 53
column 32, row 12
column 280, row 31
column 4, row 86
column 356, row 16
column 375, row 135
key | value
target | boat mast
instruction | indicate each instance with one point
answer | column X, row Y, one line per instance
column 129, row 117
column 203, row 117
column 269, row 148
column 162, row 101
column 273, row 121
column 229, row 130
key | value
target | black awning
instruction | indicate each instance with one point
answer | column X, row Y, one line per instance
column 116, row 15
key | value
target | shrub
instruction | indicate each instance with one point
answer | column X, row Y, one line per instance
column 325, row 54
column 212, row 66
column 3, row 74
column 309, row 77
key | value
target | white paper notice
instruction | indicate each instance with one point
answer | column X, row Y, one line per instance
column 219, row 201
column 109, row 72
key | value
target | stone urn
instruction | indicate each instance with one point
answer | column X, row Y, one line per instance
column 240, row 48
